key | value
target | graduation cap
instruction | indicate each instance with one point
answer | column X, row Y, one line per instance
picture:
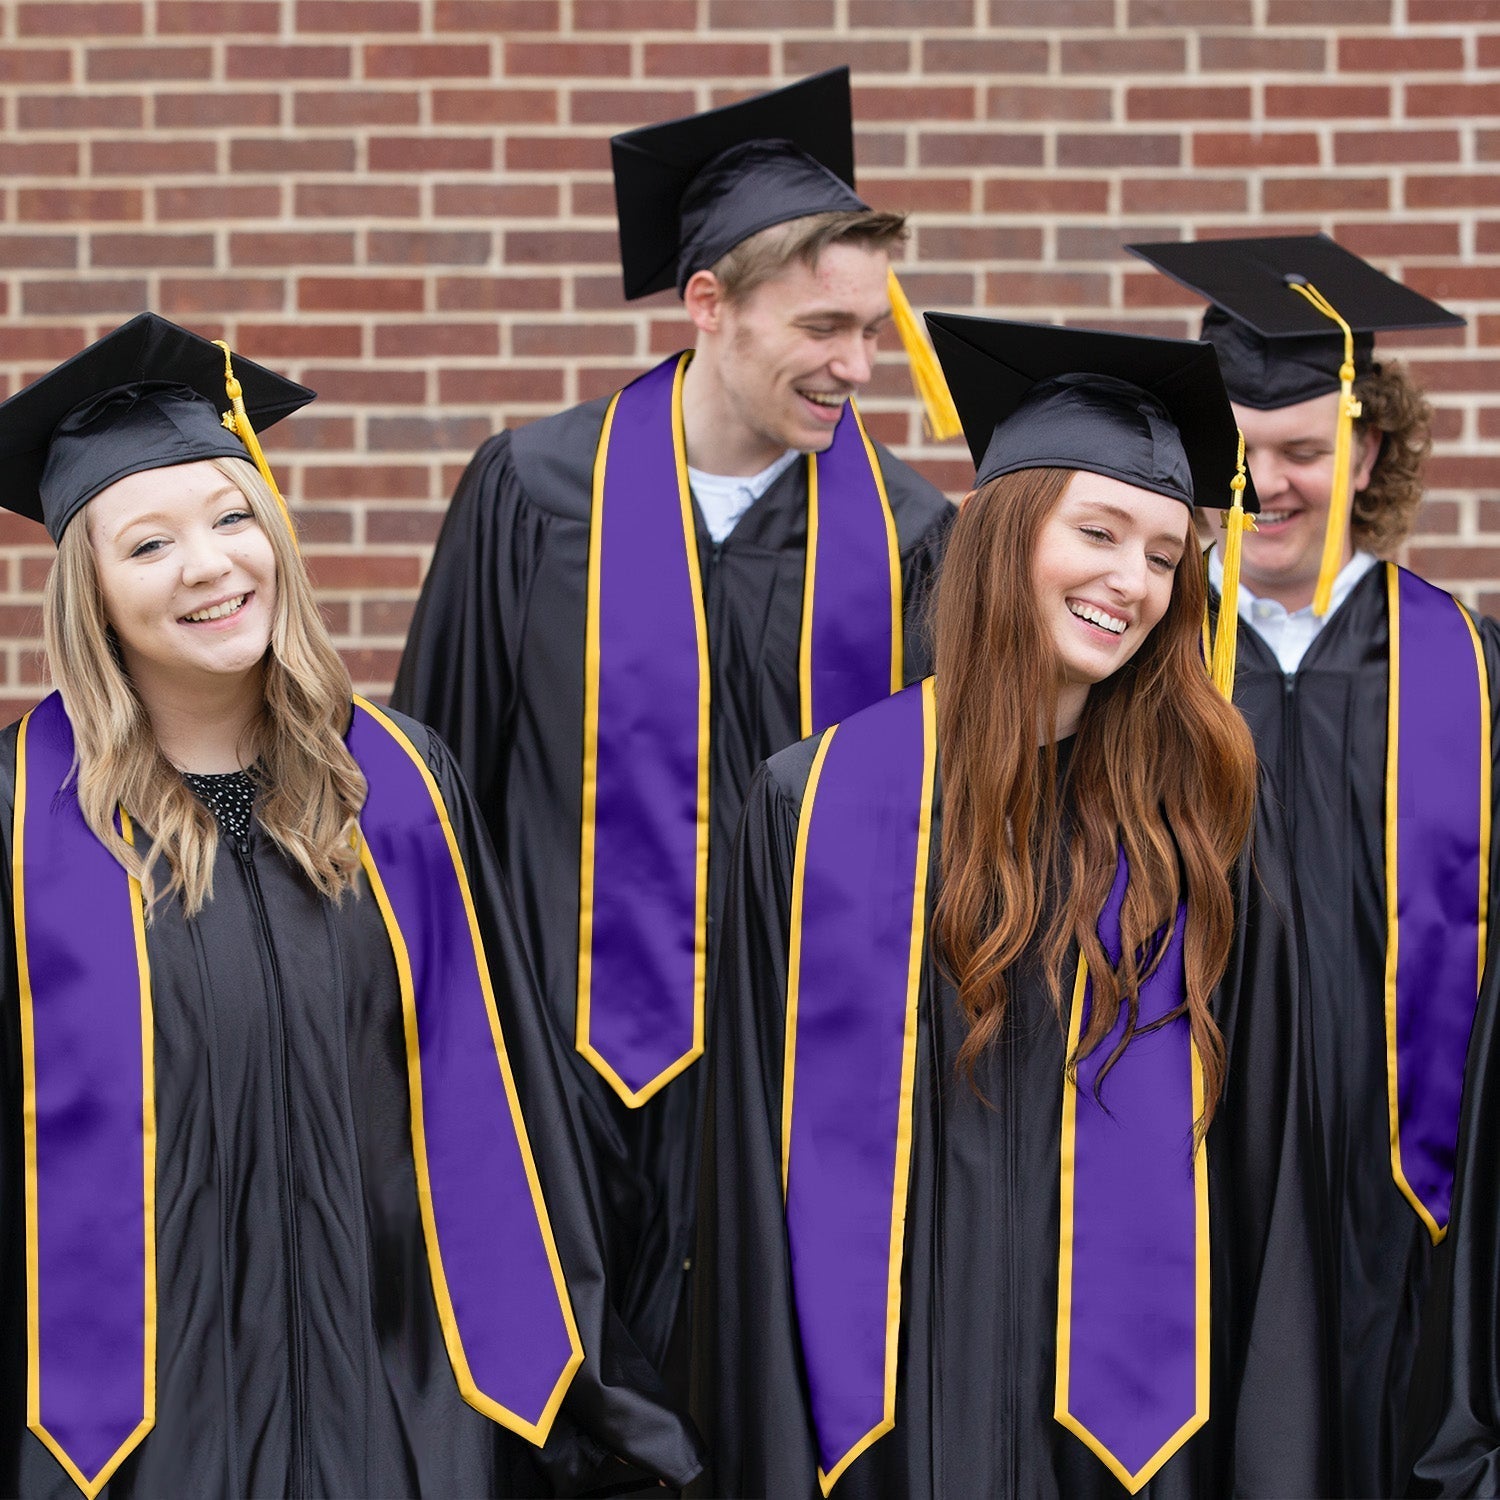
column 688, row 191
column 1293, row 318
column 1276, row 345
column 1150, row 412
column 147, row 396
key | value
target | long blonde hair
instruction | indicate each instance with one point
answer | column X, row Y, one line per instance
column 1162, row 767
column 309, row 788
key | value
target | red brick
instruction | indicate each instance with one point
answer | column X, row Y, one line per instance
column 1087, row 242
column 20, row 620
column 389, row 527
column 213, row 296
column 862, row 57
column 77, row 205
column 75, row 298
column 1094, row 14
column 1046, row 195
column 281, row 154
column 218, row 17
column 354, row 570
column 83, row 18
column 1329, row 13
column 264, row 341
column 219, row 108
column 874, row 148
column 1445, row 282
column 374, row 15
column 357, row 200
column 427, row 60
column 365, row 482
column 911, row 194
column 596, row 200
column 1412, row 237
column 117, row 64
column 979, row 149
column 543, row 340
column 1431, row 12
column 283, row 247
column 1233, row 53
column 34, row 65
column 551, row 247
column 490, row 386
column 367, row 386
column 494, row 106
column 1401, row 54
column 417, row 340
column 498, row 17
column 38, row 252
column 1458, row 191
column 424, row 435
column 431, row 153
column 1489, row 52
column 1124, row 56
column 931, row 288
column 386, row 617
column 287, row 61
column 767, row 15
column 1453, row 564
column 152, row 158
column 557, row 153
column 432, row 247
column 1187, row 104
column 1437, row 518
column 1190, row 13
column 915, row 103
column 1317, row 101
column 627, row 107
column 359, row 294
column 1489, row 427
column 1253, row 149
column 150, row 251
column 1453, row 471
column 357, row 107
column 1390, row 147
column 1149, row 289
column 1119, row 149
column 305, row 433
column 1281, row 195
column 1452, row 100
column 495, row 200
column 567, row 60
column 1042, row 289
column 80, row 111
column 740, row 60
column 1025, row 102
column 326, row 527
column 213, row 201
column 50, row 344
column 987, row 55
column 38, row 159
column 498, row 293
column 1486, row 145
column 898, row 13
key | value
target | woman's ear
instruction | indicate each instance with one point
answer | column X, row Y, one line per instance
column 967, row 498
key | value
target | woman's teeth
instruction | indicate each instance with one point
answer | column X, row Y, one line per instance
column 216, row 611
column 1096, row 616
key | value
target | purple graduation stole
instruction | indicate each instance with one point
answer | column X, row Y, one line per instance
column 87, row 1042
column 1437, row 868
column 857, row 938
column 643, row 869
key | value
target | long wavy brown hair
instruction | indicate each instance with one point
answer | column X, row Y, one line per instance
column 309, row 787
column 1161, row 766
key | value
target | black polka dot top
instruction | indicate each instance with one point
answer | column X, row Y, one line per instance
column 229, row 796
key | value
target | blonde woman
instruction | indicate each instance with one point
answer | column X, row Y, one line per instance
column 288, row 1178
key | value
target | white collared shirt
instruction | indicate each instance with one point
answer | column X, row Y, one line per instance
column 724, row 498
column 1290, row 632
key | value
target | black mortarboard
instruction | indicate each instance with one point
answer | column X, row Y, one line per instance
column 147, row 396
column 690, row 190
column 1151, row 412
column 1275, row 347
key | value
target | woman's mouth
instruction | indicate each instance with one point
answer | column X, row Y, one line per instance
column 1101, row 619
column 220, row 611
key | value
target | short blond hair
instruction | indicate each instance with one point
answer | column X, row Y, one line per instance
column 756, row 260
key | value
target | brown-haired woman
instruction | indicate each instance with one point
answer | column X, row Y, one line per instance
column 1010, row 1189
column 289, row 1183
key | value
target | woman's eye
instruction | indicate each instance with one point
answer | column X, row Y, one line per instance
column 1163, row 564
column 1097, row 533
column 234, row 517
column 145, row 549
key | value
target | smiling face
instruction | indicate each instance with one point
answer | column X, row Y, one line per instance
column 1289, row 453
column 1103, row 569
column 787, row 355
column 188, row 577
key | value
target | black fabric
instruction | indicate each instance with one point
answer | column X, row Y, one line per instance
column 495, row 662
column 1322, row 733
column 299, row 1351
column 977, row 1348
column 146, row 396
column 1149, row 411
column 1267, row 374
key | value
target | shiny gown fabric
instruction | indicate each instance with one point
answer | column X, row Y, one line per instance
column 495, row 662
column 299, row 1350
column 977, row 1343
column 1322, row 733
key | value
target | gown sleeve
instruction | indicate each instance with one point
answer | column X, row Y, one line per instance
column 616, row 1407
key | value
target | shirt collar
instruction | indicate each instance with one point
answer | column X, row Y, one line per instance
column 1343, row 585
column 755, row 484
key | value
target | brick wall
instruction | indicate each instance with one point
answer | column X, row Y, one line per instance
column 406, row 204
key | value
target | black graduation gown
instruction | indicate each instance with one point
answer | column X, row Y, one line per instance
column 1322, row 733
column 299, row 1350
column 495, row 663
column 977, row 1350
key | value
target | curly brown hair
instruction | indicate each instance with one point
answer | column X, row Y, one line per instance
column 1386, row 509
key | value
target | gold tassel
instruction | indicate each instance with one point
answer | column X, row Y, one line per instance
column 926, row 372
column 1236, row 523
column 237, row 420
column 1343, row 442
